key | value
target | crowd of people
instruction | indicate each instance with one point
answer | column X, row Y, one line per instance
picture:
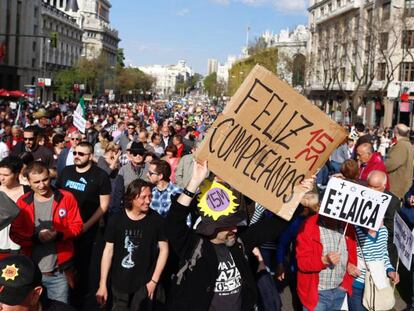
column 108, row 218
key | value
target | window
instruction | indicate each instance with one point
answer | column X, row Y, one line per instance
column 322, row 11
column 386, row 10
column 34, row 45
column 338, row 3
column 407, row 71
column 329, row 6
column 409, row 8
column 36, row 11
column 342, row 74
column 356, row 23
column 381, row 71
column 408, row 39
column 383, row 41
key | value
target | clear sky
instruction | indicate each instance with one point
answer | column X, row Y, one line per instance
column 165, row 31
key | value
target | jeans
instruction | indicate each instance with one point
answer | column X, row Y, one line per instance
column 355, row 301
column 56, row 286
column 330, row 300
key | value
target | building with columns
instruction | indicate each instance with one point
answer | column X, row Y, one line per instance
column 20, row 27
column 68, row 47
column 98, row 35
column 360, row 51
column 168, row 75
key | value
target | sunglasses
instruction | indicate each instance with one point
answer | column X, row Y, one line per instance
column 81, row 154
column 131, row 128
column 78, row 139
column 152, row 173
column 29, row 138
column 135, row 153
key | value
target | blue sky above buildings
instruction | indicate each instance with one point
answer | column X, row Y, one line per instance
column 164, row 31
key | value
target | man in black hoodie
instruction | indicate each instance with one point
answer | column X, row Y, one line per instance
column 215, row 273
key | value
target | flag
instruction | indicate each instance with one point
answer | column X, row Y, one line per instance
column 82, row 105
column 2, row 51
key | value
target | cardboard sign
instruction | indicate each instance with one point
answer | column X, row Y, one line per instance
column 78, row 120
column 268, row 139
column 355, row 204
column 403, row 240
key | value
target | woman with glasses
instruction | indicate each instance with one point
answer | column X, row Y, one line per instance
column 104, row 139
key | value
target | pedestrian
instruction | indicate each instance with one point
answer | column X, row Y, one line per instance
column 136, row 252
column 48, row 223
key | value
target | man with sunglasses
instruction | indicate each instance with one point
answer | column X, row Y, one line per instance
column 92, row 188
column 29, row 143
column 66, row 156
column 136, row 168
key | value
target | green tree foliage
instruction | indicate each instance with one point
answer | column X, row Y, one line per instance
column 98, row 75
column 120, row 58
column 267, row 58
column 188, row 85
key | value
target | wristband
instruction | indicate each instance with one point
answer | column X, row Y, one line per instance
column 189, row 193
column 154, row 282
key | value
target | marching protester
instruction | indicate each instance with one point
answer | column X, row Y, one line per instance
column 136, row 252
column 216, row 275
column 48, row 223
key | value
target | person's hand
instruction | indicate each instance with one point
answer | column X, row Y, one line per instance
column 200, row 172
column 47, row 235
column 280, row 272
column 309, row 183
column 151, row 289
column 394, row 276
column 331, row 258
column 353, row 270
column 338, row 175
column 102, row 295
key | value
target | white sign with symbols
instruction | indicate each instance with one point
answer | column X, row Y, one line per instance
column 355, row 204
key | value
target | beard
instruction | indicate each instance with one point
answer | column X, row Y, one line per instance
column 230, row 240
column 82, row 165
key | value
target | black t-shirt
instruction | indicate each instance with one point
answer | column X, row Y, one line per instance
column 135, row 249
column 86, row 187
column 53, row 305
column 227, row 290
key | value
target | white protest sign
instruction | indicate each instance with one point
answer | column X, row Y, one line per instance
column 403, row 240
column 78, row 120
column 355, row 204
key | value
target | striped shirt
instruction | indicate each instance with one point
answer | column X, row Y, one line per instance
column 374, row 249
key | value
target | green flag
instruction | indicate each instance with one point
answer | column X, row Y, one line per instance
column 82, row 104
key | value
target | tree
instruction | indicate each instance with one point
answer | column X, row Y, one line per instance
column 133, row 80
column 64, row 81
column 256, row 47
column 120, row 58
column 210, row 84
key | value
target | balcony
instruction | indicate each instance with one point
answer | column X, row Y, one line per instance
column 349, row 6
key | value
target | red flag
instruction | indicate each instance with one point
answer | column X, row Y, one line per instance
column 2, row 51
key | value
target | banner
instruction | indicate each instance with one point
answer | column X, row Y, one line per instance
column 269, row 139
column 403, row 240
column 79, row 120
column 354, row 203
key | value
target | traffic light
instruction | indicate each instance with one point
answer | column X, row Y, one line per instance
column 53, row 39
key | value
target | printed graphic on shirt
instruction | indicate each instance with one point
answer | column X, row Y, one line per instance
column 229, row 280
column 131, row 244
column 75, row 185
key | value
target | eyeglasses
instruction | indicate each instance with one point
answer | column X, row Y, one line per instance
column 131, row 128
column 78, row 139
column 81, row 154
column 152, row 173
column 135, row 153
column 28, row 138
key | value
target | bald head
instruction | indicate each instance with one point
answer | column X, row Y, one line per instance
column 401, row 130
column 377, row 180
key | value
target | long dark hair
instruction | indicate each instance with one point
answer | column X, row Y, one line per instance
column 134, row 189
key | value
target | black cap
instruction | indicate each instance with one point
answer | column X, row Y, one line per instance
column 137, row 147
column 18, row 276
column 208, row 226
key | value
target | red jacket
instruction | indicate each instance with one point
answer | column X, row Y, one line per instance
column 309, row 258
column 66, row 220
column 374, row 164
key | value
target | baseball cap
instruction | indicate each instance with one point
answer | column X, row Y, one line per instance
column 18, row 276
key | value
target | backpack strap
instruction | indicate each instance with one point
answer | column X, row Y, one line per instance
column 189, row 264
